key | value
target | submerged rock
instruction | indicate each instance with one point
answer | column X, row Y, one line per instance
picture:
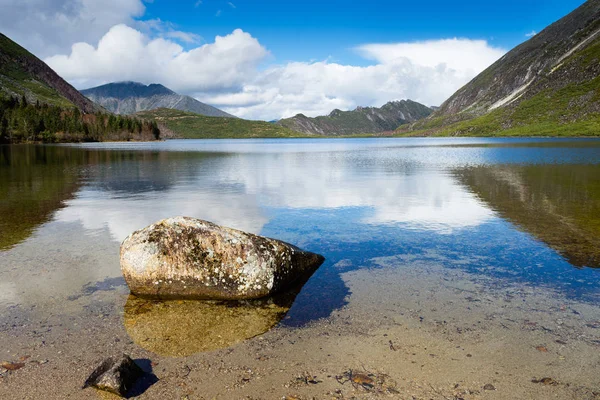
column 179, row 328
column 115, row 375
column 187, row 258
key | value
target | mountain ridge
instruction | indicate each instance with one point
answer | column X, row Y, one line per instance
column 361, row 120
column 130, row 97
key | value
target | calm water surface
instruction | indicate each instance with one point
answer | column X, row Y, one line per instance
column 516, row 210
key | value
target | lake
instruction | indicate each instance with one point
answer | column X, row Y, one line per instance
column 433, row 243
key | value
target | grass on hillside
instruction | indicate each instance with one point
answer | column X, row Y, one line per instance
column 570, row 110
column 15, row 79
column 187, row 125
column 558, row 113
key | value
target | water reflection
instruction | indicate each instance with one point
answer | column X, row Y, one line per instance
column 34, row 183
column 558, row 204
column 351, row 200
column 239, row 190
column 181, row 328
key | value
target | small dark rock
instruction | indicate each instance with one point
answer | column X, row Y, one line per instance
column 489, row 386
column 115, row 375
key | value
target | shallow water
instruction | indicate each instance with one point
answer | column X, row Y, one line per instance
column 517, row 211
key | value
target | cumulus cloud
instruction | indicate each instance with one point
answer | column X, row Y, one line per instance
column 428, row 72
column 47, row 27
column 461, row 55
column 125, row 53
column 230, row 72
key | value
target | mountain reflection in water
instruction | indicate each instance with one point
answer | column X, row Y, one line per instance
column 558, row 204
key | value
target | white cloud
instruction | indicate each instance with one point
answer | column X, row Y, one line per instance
column 531, row 34
column 462, row 55
column 230, row 73
column 127, row 54
column 47, row 27
column 186, row 37
column 428, row 72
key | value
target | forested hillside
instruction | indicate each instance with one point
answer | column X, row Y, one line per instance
column 21, row 121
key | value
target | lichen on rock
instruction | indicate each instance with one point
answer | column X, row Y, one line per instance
column 189, row 258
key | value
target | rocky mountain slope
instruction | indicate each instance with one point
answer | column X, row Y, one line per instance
column 549, row 85
column 360, row 120
column 23, row 74
column 133, row 97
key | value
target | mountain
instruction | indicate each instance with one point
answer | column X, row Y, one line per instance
column 186, row 125
column 133, row 97
column 37, row 105
column 361, row 120
column 549, row 85
column 23, row 74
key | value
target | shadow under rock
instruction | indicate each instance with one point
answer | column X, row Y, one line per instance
column 147, row 380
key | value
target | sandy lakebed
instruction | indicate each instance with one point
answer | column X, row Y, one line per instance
column 434, row 334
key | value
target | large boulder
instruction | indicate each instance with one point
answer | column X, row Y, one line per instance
column 187, row 258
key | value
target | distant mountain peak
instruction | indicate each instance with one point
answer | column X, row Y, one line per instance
column 131, row 97
column 126, row 89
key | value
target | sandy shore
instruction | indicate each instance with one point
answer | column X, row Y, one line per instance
column 410, row 330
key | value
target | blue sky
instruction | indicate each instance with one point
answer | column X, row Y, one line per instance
column 273, row 59
column 316, row 30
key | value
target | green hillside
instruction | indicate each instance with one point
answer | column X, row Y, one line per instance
column 548, row 86
column 562, row 108
column 37, row 105
column 24, row 75
column 186, row 125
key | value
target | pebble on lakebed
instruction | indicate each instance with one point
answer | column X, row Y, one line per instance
column 187, row 258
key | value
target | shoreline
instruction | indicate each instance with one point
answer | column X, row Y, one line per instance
column 358, row 136
column 436, row 333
